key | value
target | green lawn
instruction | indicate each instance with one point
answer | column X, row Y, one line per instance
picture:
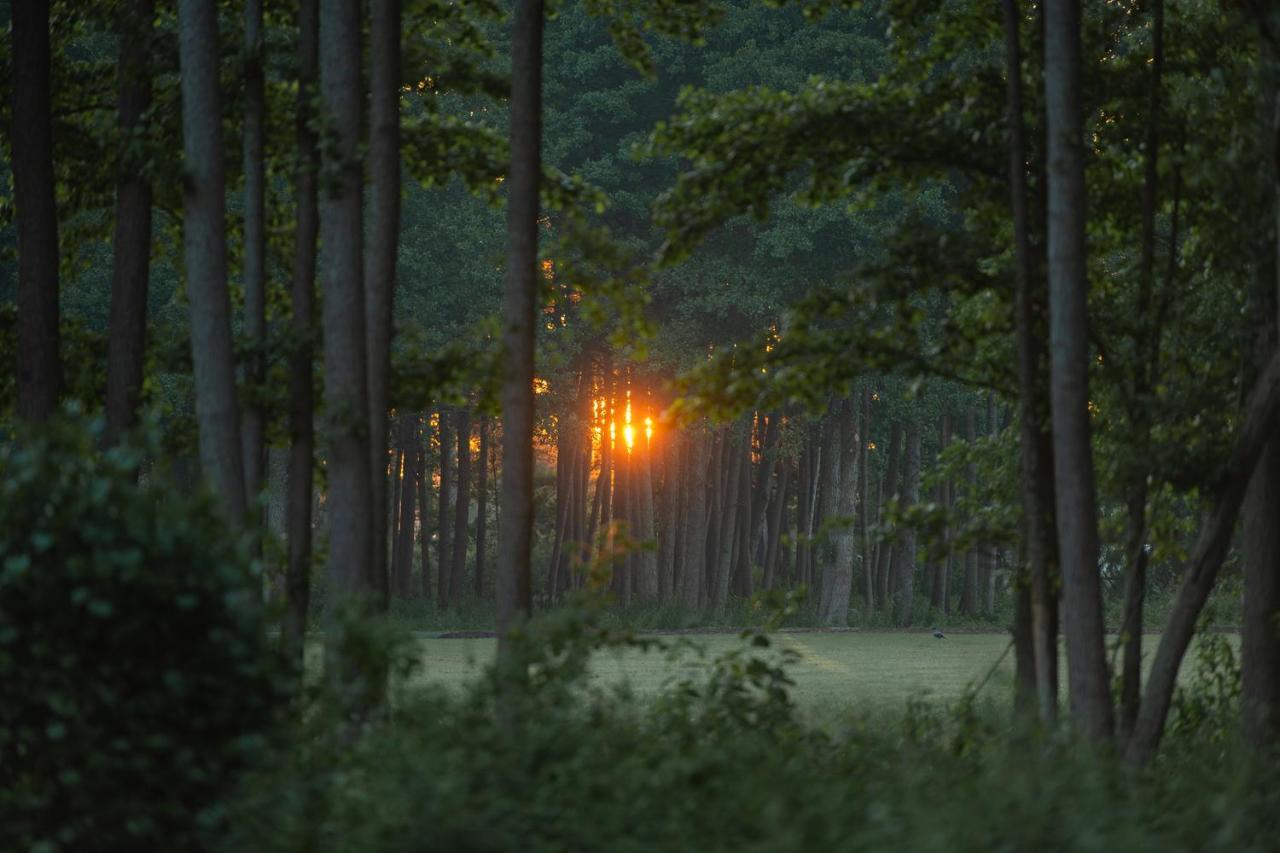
column 837, row 674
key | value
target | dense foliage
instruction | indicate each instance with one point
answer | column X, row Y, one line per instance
column 138, row 677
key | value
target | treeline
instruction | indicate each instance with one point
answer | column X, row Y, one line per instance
column 857, row 506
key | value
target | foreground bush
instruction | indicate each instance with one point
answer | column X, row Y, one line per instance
column 535, row 759
column 135, row 670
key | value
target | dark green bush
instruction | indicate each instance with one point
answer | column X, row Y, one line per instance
column 535, row 758
column 135, row 670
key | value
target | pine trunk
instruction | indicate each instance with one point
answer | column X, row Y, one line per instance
column 205, row 252
column 130, row 274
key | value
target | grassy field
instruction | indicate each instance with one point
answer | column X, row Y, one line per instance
column 836, row 674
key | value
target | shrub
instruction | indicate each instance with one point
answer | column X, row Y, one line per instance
column 136, row 670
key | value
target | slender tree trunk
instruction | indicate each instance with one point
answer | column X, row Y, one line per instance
column 394, row 476
column 669, row 509
column 938, row 590
column 741, row 583
column 728, row 532
column 302, row 321
column 1077, row 515
column 514, row 576
column 804, row 507
column 692, row 575
column 482, row 505
column 253, row 418
column 969, row 592
column 1035, row 445
column 1140, row 422
column 837, row 610
column 647, row 586
column 424, row 509
column 910, row 496
column 444, row 526
column 884, row 559
column 130, row 274
column 1256, row 428
column 775, row 526
column 380, row 260
column 864, row 535
column 1260, row 638
column 828, row 496
column 39, row 362
column 349, row 504
column 205, row 251
column 462, row 509
column 403, row 566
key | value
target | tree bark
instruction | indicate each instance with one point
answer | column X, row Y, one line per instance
column 131, row 268
column 424, row 510
column 444, row 526
column 341, row 254
column 884, row 559
column 694, row 565
column 941, row 576
column 1035, row 444
column 969, row 592
column 402, row 567
column 1256, row 428
column 837, row 609
column 205, row 252
column 1260, row 637
column 462, row 509
column 647, row 582
column 39, row 362
column 910, row 496
column 380, row 259
column 728, row 532
column 1077, row 514
column 302, row 320
column 669, row 509
column 514, row 576
column 253, row 418
column 482, row 505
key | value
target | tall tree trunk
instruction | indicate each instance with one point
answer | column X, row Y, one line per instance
column 424, row 509
column 884, row 559
column 728, row 531
column 462, row 508
column 910, row 495
column 742, row 565
column 1257, row 425
column 444, row 526
column 253, row 418
column 969, row 592
column 514, row 576
column 669, row 510
column 693, row 570
column 350, row 506
column 938, row 589
column 804, row 506
column 1077, row 514
column 1140, row 421
column 39, row 362
column 775, row 526
column 829, row 474
column 403, row 566
column 647, row 582
column 837, row 609
column 1035, row 444
column 130, row 273
column 380, row 260
column 864, row 534
column 989, row 555
column 394, row 476
column 1260, row 638
column 302, row 320
column 482, row 505
column 205, row 251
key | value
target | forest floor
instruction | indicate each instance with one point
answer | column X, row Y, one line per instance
column 838, row 675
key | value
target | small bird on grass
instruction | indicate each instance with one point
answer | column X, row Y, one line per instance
column 938, row 635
